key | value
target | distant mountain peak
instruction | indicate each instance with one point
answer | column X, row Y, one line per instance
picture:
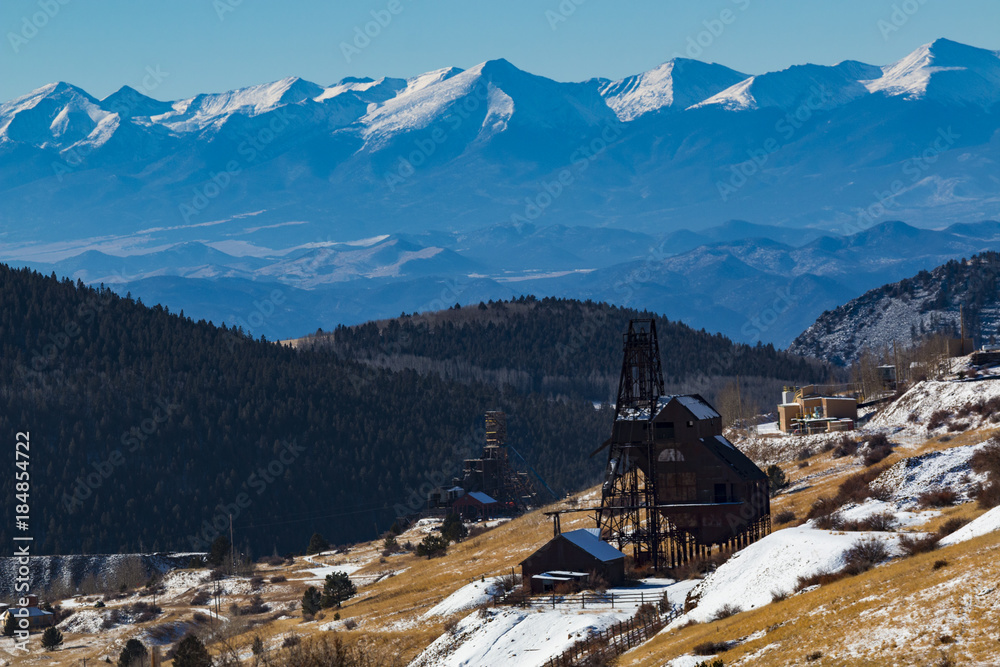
column 946, row 71
column 676, row 84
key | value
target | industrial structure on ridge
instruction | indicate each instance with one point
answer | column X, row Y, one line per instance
column 675, row 488
column 495, row 484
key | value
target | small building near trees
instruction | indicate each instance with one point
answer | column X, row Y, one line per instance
column 572, row 557
column 475, row 506
column 37, row 618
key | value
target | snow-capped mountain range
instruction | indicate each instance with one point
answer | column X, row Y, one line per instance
column 491, row 175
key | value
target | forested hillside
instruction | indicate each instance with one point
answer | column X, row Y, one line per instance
column 905, row 312
column 148, row 429
column 560, row 347
column 143, row 423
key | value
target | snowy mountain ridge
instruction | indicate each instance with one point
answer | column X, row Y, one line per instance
column 903, row 312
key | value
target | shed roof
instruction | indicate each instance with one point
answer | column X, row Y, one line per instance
column 587, row 540
column 694, row 403
column 481, row 497
column 736, row 459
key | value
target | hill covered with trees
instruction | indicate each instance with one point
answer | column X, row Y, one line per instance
column 148, row 430
column 561, row 348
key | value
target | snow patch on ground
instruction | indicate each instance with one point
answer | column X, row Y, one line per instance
column 987, row 523
column 772, row 564
column 468, row 597
column 946, row 469
column 914, row 408
column 527, row 637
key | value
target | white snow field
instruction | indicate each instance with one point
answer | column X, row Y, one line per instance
column 987, row 523
column 468, row 597
column 915, row 407
column 771, row 565
column 504, row 636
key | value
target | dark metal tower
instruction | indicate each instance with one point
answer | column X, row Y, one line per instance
column 629, row 498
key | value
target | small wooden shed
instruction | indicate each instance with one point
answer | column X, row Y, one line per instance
column 569, row 555
column 476, row 505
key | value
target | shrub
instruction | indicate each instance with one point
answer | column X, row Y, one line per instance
column 946, row 639
column 831, row 521
column 864, row 555
column 937, row 418
column 912, row 546
column 803, row 464
column 350, row 624
column 951, row 525
column 142, row 611
column 711, row 648
column 256, row 581
column 875, row 455
column 278, row 578
column 937, row 498
column 779, row 596
column 814, row 656
column 846, row 446
column 725, row 611
column 819, row 579
column 880, row 522
column 784, row 516
column 290, row 641
column 938, row 564
column 646, row 613
column 857, row 487
column 988, row 496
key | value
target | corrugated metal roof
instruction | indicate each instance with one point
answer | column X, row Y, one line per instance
column 698, row 406
column 736, row 459
column 592, row 544
column 481, row 497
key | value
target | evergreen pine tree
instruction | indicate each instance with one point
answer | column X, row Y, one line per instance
column 317, row 544
column 192, row 653
column 9, row 625
column 219, row 551
column 51, row 638
column 337, row 588
column 133, row 655
column 311, row 601
column 453, row 529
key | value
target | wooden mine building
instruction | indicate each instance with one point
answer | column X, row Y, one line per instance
column 675, row 487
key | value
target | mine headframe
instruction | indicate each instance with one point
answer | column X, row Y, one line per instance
column 629, row 497
column 498, row 471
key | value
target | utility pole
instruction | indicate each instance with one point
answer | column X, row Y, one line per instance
column 232, row 548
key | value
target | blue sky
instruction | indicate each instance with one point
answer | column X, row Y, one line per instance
column 215, row 45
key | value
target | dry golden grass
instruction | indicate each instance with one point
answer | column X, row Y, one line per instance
column 893, row 615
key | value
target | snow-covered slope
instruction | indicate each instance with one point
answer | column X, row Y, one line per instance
column 904, row 311
column 772, row 565
column 945, row 71
column 674, row 85
column 810, row 87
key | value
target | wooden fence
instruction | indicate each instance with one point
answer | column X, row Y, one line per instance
column 584, row 600
column 615, row 640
